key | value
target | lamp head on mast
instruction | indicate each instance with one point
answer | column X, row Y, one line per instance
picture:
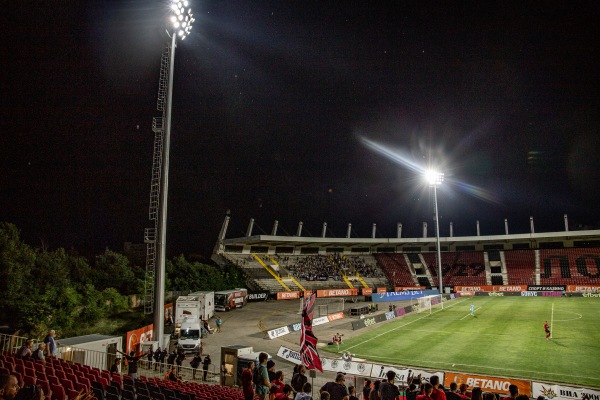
column 181, row 18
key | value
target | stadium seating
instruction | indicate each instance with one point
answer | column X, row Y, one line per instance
column 395, row 268
column 63, row 380
column 576, row 266
column 520, row 267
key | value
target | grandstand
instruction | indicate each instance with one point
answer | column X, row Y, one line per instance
column 277, row 263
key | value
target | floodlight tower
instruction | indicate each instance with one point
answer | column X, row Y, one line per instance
column 181, row 21
column 435, row 179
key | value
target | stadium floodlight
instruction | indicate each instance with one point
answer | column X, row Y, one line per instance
column 181, row 14
column 435, row 179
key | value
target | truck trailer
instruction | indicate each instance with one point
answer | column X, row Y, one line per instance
column 229, row 299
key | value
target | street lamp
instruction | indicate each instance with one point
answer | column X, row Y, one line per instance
column 181, row 21
column 435, row 179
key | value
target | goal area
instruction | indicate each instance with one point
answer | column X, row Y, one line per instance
column 430, row 303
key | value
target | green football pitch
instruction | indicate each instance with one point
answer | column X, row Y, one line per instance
column 504, row 338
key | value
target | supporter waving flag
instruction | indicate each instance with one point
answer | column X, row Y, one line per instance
column 308, row 341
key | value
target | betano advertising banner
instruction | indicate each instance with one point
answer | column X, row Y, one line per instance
column 337, row 292
column 288, row 295
column 527, row 288
column 560, row 392
column 488, row 383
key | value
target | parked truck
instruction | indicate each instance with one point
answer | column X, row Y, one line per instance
column 198, row 305
column 229, row 299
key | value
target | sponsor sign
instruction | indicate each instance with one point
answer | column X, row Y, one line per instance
column 347, row 367
column 404, row 295
column 488, row 383
column 289, row 355
column 337, row 292
column 538, row 288
column 559, row 392
column 135, row 338
column 336, row 316
column 258, row 296
column 288, row 295
column 551, row 294
column 529, row 294
column 381, row 290
column 590, row 295
column 405, row 288
column 404, row 374
column 367, row 291
column 582, row 288
column 320, row 321
column 277, row 332
column 491, row 288
column 284, row 330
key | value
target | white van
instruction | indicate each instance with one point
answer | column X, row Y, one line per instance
column 190, row 335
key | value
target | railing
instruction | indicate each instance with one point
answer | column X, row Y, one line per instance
column 104, row 360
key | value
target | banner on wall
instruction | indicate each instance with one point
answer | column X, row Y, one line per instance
column 288, row 295
column 560, row 392
column 337, row 292
column 361, row 368
column 404, row 295
column 488, row 383
column 134, row 338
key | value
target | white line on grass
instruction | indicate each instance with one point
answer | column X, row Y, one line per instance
column 478, row 308
column 402, row 326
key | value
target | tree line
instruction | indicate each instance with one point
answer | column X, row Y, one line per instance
column 60, row 289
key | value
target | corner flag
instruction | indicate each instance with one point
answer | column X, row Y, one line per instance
column 308, row 341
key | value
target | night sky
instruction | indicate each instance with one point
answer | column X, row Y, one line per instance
column 274, row 105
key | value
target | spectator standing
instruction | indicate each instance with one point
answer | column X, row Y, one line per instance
column 222, row 373
column 337, row 390
column 156, row 357
column 287, row 390
column 299, row 379
column 374, row 393
column 436, row 394
column 387, row 389
column 263, row 384
column 276, row 384
column 195, row 363
column 9, row 386
column 452, row 394
column 476, row 394
column 219, row 322
column 161, row 360
column 171, row 359
column 247, row 385
column 179, row 359
column 150, row 356
column 271, row 370
column 304, row 393
column 463, row 391
column 205, row 365
column 513, row 390
column 132, row 363
column 427, row 391
column 352, row 393
column 51, row 343
column 366, row 389
column 412, row 392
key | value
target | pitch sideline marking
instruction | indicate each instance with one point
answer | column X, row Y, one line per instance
column 401, row 326
column 479, row 308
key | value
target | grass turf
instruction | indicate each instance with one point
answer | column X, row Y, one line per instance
column 504, row 338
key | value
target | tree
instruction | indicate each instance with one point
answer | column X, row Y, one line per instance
column 112, row 269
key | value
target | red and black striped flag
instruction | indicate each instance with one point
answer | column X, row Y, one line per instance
column 308, row 341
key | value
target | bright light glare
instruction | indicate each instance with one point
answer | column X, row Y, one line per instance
column 434, row 177
column 182, row 19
